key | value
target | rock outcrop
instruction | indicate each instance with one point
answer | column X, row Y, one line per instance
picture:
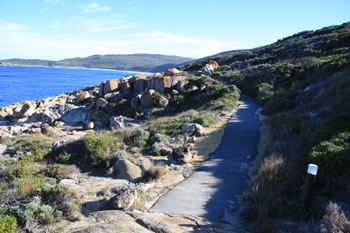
column 98, row 105
column 210, row 67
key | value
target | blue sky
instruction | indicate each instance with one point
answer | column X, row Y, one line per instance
column 58, row 29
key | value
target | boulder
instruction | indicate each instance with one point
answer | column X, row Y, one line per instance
column 88, row 126
column 72, row 114
column 140, row 85
column 83, row 96
column 68, row 182
column 101, row 103
column 194, row 88
column 4, row 134
column 97, row 115
column 188, row 128
column 124, row 200
column 193, row 129
column 108, row 221
column 116, row 122
column 127, row 170
column 110, row 86
column 124, row 86
column 125, row 197
column 58, row 146
column 92, row 105
column 141, row 133
column 171, row 72
column 162, row 148
column 49, row 116
column 209, row 68
column 116, row 97
column 182, row 155
column 146, row 99
column 110, row 108
column 165, row 144
column 181, row 85
column 163, row 102
column 135, row 102
column 139, row 76
column 157, row 74
column 26, row 111
column 214, row 65
column 49, row 130
column 3, row 148
column 5, row 112
column 200, row 131
column 100, row 91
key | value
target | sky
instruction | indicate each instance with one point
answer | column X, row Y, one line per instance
column 58, row 29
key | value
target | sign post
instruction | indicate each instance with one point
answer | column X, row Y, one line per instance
column 309, row 182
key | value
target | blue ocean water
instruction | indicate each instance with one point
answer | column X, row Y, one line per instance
column 33, row 83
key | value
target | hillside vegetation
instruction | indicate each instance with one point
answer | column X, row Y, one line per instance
column 302, row 83
column 134, row 62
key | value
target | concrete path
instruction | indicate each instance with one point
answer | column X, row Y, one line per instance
column 211, row 189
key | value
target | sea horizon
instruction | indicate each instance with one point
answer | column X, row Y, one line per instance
column 32, row 83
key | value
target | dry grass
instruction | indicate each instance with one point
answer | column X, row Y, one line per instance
column 334, row 220
column 264, row 194
column 155, row 173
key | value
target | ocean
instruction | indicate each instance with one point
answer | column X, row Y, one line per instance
column 18, row 84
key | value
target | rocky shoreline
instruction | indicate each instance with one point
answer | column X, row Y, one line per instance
column 135, row 176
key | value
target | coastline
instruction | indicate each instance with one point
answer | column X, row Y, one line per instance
column 74, row 67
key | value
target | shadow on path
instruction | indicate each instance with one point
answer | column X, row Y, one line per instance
column 211, row 189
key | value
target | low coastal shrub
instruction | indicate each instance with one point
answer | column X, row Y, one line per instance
column 36, row 148
column 97, row 147
column 47, row 204
column 264, row 92
column 55, row 171
column 168, row 126
column 63, row 158
column 8, row 224
column 204, row 120
column 333, row 156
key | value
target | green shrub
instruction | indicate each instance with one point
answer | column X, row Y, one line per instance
column 38, row 148
column 332, row 156
column 141, row 141
column 19, row 172
column 264, row 92
column 97, row 147
column 169, row 126
column 46, row 214
column 55, row 171
column 24, row 180
column 8, row 224
column 204, row 120
column 157, row 153
column 155, row 97
column 60, row 198
column 63, row 158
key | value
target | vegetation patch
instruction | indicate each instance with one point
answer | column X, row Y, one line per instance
column 333, row 156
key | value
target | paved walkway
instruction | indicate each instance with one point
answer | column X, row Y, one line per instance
column 211, row 189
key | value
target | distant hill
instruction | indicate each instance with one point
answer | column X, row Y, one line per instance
column 134, row 62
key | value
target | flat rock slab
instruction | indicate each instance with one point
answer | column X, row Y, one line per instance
column 211, row 190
